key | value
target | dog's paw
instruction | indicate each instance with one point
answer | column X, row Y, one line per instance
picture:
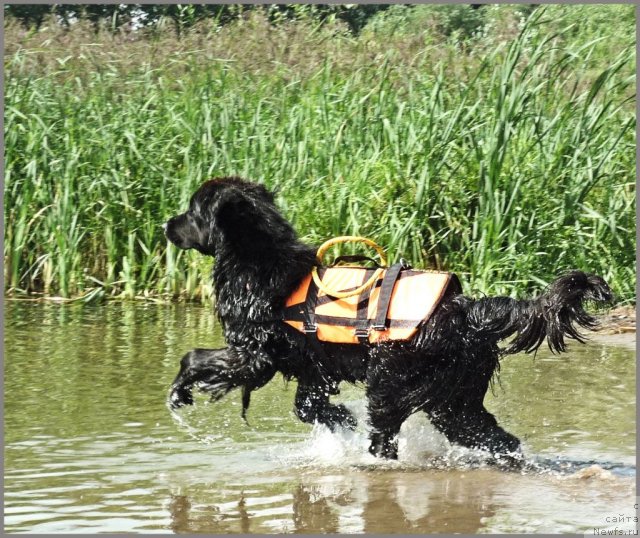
column 340, row 416
column 509, row 461
column 347, row 420
column 179, row 397
column 384, row 446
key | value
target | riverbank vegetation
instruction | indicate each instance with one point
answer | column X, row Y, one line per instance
column 497, row 143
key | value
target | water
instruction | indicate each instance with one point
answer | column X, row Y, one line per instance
column 91, row 447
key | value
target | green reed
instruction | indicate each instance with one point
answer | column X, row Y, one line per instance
column 508, row 162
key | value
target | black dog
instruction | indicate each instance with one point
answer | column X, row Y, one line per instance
column 445, row 370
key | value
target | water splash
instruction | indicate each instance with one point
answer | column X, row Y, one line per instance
column 420, row 447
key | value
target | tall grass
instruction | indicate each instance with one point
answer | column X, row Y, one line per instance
column 509, row 158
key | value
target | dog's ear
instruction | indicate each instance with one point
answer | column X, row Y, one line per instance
column 252, row 225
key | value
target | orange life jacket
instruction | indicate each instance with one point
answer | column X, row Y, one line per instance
column 352, row 320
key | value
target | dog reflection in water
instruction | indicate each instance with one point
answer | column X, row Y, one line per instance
column 390, row 502
column 443, row 370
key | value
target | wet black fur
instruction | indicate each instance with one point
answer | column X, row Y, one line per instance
column 445, row 370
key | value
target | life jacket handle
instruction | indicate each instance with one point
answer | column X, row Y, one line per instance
column 350, row 239
column 344, row 239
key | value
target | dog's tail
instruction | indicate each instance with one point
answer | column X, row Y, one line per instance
column 557, row 314
column 218, row 371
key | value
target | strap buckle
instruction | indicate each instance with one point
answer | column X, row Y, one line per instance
column 309, row 329
column 362, row 334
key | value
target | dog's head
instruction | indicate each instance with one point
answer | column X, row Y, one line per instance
column 233, row 214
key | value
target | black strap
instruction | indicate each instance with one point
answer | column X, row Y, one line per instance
column 311, row 328
column 350, row 322
column 362, row 314
column 386, row 290
column 309, row 325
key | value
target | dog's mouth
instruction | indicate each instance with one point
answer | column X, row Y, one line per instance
column 182, row 239
column 180, row 231
column 172, row 235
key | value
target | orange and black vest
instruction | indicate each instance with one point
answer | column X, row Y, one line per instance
column 392, row 309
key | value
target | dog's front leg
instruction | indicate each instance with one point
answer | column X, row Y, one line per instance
column 385, row 424
column 385, row 416
column 312, row 405
column 217, row 371
column 386, row 403
column 195, row 366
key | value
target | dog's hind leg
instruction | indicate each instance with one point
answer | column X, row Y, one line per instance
column 458, row 411
column 475, row 427
column 312, row 405
column 472, row 427
column 217, row 371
